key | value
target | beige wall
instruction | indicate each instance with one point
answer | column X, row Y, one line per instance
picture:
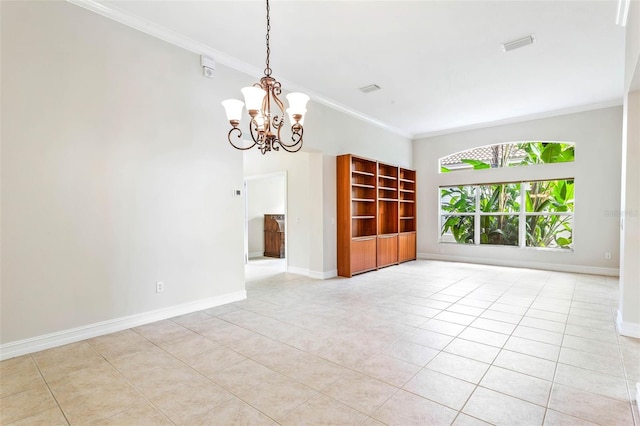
column 115, row 173
column 597, row 135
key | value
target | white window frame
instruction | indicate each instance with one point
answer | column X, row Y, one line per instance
column 522, row 216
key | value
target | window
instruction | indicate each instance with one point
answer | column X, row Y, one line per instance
column 521, row 213
column 549, row 213
column 508, row 155
column 493, row 214
column 499, row 207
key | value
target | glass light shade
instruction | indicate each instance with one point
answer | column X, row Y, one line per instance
column 292, row 120
column 233, row 108
column 253, row 97
column 260, row 121
column 297, row 102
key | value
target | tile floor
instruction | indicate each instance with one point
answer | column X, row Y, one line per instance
column 425, row 343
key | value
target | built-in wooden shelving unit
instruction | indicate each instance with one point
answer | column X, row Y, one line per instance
column 376, row 215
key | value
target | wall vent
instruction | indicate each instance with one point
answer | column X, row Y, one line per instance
column 516, row 44
column 370, row 88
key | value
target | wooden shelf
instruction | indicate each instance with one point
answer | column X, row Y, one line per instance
column 358, row 172
column 407, row 208
column 376, row 214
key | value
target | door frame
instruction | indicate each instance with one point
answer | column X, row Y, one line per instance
column 246, row 211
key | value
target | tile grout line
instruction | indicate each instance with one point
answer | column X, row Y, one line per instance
column 35, row 362
column 555, row 369
column 500, row 351
column 626, row 380
column 129, row 381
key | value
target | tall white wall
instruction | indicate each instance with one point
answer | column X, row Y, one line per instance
column 629, row 312
column 265, row 195
column 115, row 173
column 597, row 135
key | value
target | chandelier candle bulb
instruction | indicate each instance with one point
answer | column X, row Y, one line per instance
column 259, row 121
column 266, row 124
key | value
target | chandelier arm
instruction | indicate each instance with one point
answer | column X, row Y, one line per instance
column 239, row 137
column 290, row 148
column 276, row 91
column 256, row 135
column 278, row 119
column 277, row 125
column 266, row 146
column 296, row 138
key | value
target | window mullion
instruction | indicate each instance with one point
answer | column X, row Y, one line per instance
column 522, row 224
column 476, row 218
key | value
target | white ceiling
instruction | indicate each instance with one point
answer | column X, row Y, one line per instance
column 439, row 63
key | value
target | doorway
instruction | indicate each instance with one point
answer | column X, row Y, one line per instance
column 264, row 195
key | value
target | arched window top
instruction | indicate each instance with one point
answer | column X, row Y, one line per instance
column 508, row 155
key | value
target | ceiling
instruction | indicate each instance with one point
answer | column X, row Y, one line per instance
column 439, row 63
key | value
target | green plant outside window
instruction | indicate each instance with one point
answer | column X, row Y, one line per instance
column 493, row 213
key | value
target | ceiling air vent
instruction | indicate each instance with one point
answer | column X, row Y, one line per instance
column 516, row 44
column 370, row 88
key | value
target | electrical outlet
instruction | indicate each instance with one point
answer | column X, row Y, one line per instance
column 607, row 255
column 159, row 287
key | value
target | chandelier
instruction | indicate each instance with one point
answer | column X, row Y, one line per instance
column 265, row 124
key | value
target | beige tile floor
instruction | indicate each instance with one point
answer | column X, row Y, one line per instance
column 425, row 343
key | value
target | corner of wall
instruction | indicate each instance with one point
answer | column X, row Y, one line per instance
column 628, row 329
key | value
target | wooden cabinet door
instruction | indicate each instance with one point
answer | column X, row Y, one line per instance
column 407, row 247
column 363, row 255
column 387, row 250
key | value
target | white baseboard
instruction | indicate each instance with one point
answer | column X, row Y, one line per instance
column 317, row 275
column 39, row 343
column 593, row 270
column 629, row 329
column 320, row 275
column 299, row 271
column 254, row 254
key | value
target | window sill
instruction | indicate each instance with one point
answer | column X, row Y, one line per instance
column 542, row 249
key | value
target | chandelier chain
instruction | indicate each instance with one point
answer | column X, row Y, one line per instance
column 267, row 70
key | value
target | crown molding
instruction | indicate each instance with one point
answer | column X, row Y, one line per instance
column 198, row 48
column 546, row 114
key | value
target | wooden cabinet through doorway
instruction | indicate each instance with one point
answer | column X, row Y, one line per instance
column 274, row 235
